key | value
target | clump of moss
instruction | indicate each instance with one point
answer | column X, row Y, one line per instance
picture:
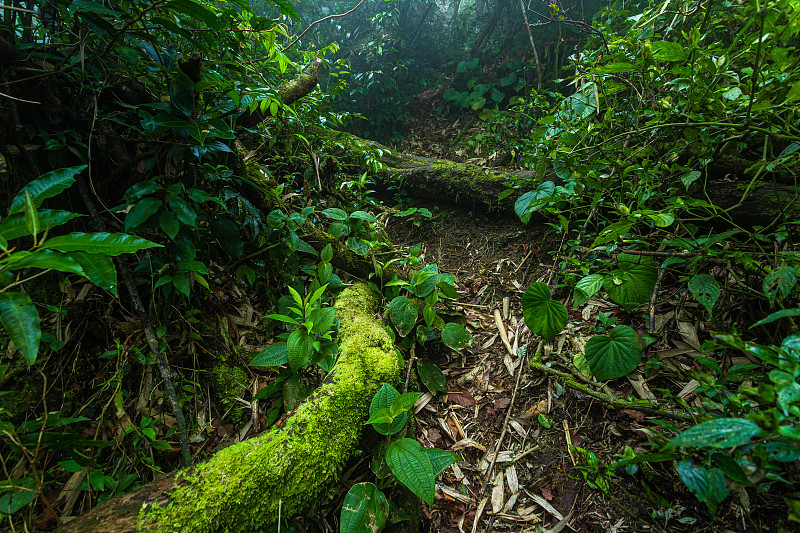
column 228, row 383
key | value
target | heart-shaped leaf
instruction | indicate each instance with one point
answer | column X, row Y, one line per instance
column 543, row 316
column 705, row 290
column 614, row 355
column 632, row 283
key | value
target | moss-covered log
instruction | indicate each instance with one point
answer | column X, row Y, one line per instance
column 476, row 188
column 241, row 487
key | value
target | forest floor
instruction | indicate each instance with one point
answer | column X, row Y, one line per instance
column 513, row 426
column 495, row 404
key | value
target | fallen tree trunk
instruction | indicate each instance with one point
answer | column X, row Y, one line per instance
column 473, row 187
column 242, row 487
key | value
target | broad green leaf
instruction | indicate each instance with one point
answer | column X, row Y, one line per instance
column 447, row 288
column 327, row 253
column 424, row 281
column 705, row 290
column 669, row 51
column 614, row 355
column 43, row 259
column 338, row 229
column 403, row 403
column 777, row 315
column 542, row 315
column 633, row 281
column 412, row 467
column 99, row 269
column 709, row 485
column 103, row 243
column 183, row 211
column 429, row 314
column 20, row 319
column 335, row 214
column 323, row 319
column 31, row 216
column 586, row 288
column 432, row 377
column 362, row 215
column 732, row 93
column 364, row 510
column 532, row 201
column 380, row 416
column 455, row 336
column 779, row 283
column 719, row 433
column 403, row 314
column 441, row 459
column 169, row 223
column 662, row 220
column 383, row 399
column 324, row 271
column 44, row 187
column 299, row 347
column 141, row 211
column 271, row 356
column 612, row 232
column 358, row 246
column 13, row 226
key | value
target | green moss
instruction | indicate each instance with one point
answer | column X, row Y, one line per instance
column 242, row 487
column 19, row 397
column 228, row 383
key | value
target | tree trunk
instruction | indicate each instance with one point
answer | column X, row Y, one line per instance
column 241, row 488
column 489, row 29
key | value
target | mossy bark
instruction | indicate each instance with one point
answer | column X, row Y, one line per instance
column 241, row 488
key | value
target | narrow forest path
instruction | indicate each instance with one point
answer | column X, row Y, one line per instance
column 495, row 404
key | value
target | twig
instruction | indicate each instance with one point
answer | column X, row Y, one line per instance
column 569, row 381
column 652, row 312
column 317, row 22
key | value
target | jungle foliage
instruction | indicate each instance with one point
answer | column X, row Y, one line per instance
column 160, row 113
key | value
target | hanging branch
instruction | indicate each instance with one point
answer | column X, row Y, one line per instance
column 317, row 22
